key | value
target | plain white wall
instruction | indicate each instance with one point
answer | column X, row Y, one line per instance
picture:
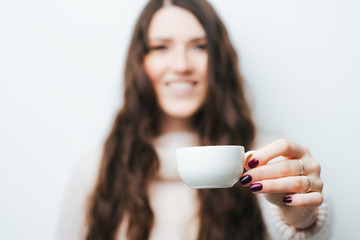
column 60, row 86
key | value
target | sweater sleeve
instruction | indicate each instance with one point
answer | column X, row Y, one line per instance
column 72, row 219
column 278, row 229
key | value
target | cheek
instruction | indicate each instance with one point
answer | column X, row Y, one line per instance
column 201, row 65
column 152, row 68
column 148, row 69
column 205, row 66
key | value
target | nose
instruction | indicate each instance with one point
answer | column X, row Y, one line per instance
column 181, row 61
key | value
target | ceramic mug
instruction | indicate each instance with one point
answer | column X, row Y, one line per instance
column 211, row 166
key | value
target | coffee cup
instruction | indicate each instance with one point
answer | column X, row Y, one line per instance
column 211, row 166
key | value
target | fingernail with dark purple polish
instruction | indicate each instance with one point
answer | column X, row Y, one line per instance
column 245, row 179
column 255, row 187
column 253, row 163
column 287, row 199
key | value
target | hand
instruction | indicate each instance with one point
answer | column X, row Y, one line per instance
column 291, row 181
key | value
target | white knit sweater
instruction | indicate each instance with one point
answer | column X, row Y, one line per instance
column 173, row 202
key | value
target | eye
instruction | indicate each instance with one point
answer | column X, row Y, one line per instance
column 201, row 46
column 158, row 48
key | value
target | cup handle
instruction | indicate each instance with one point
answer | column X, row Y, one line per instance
column 248, row 154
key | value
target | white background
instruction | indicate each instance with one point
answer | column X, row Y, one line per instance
column 60, row 87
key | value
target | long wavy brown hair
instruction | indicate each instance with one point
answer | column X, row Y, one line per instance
column 129, row 161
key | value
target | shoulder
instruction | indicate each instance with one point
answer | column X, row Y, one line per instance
column 73, row 211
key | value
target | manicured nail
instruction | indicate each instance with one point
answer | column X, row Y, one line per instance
column 255, row 187
column 253, row 163
column 245, row 179
column 287, row 199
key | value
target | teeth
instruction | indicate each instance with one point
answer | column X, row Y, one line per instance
column 180, row 86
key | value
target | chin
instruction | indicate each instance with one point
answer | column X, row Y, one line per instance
column 181, row 109
column 180, row 114
column 184, row 112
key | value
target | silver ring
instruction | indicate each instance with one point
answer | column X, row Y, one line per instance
column 310, row 183
column 303, row 167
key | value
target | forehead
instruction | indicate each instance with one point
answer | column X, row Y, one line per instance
column 175, row 22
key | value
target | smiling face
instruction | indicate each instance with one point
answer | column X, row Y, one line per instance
column 177, row 61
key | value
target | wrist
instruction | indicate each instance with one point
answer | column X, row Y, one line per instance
column 319, row 229
column 307, row 220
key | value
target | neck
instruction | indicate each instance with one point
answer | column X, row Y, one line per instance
column 170, row 124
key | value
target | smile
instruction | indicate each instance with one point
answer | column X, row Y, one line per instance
column 181, row 88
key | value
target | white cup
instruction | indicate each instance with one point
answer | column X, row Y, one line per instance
column 211, row 166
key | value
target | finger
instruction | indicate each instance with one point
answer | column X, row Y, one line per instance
column 274, row 170
column 312, row 199
column 293, row 184
column 281, row 147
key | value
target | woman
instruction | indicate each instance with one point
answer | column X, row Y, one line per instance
column 183, row 88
